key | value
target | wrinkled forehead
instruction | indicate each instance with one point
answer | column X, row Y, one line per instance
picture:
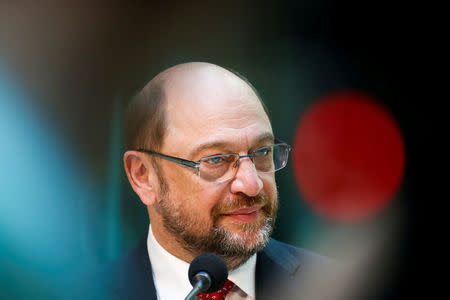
column 212, row 102
column 210, row 93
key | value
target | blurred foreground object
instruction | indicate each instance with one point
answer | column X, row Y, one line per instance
column 349, row 156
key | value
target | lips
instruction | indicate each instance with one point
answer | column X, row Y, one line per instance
column 244, row 211
column 246, row 215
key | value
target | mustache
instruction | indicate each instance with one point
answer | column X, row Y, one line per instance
column 239, row 202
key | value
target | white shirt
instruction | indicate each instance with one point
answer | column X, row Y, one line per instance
column 170, row 274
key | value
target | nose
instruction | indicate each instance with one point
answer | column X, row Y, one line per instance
column 246, row 180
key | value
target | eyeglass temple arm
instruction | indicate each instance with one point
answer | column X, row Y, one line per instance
column 181, row 161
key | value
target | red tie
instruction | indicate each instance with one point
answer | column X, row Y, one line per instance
column 220, row 294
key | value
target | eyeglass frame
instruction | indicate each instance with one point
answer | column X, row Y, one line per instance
column 196, row 164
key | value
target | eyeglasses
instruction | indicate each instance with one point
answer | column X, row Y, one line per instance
column 223, row 167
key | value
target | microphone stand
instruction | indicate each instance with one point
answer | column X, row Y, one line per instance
column 203, row 283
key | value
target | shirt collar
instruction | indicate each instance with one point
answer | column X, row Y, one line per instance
column 244, row 276
column 170, row 274
column 170, row 271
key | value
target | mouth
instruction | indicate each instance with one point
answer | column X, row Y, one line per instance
column 246, row 215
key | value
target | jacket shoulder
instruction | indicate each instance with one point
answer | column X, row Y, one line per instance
column 291, row 257
column 284, row 271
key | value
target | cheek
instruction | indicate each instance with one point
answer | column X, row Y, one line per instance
column 196, row 196
column 269, row 185
column 182, row 181
column 208, row 196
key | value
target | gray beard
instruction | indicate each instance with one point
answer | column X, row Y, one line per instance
column 231, row 247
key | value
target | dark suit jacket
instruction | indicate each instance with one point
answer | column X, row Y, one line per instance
column 282, row 272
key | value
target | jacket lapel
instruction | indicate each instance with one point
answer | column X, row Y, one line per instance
column 276, row 268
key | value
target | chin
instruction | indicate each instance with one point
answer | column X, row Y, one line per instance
column 239, row 244
column 250, row 237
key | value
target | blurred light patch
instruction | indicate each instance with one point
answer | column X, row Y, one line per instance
column 348, row 156
column 44, row 199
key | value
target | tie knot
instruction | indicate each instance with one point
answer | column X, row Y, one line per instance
column 220, row 294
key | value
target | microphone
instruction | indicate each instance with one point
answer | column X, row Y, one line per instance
column 207, row 274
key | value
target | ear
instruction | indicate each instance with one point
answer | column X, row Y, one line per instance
column 140, row 175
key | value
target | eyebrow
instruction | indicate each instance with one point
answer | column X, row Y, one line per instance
column 268, row 136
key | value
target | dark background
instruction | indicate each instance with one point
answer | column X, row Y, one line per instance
column 68, row 68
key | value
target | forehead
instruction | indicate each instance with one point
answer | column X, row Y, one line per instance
column 213, row 106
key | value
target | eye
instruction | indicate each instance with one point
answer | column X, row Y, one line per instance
column 263, row 152
column 215, row 160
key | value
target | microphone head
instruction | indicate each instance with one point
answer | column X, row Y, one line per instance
column 214, row 266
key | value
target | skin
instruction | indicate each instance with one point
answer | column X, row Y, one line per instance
column 209, row 111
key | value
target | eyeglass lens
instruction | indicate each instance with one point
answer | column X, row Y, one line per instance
column 223, row 167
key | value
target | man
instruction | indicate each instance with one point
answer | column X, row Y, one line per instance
column 201, row 156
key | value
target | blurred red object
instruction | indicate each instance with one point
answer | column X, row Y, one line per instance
column 348, row 156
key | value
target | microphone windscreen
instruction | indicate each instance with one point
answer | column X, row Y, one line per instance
column 214, row 266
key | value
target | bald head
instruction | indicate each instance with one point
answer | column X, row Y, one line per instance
column 189, row 85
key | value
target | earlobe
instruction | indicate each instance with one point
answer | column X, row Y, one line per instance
column 138, row 173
